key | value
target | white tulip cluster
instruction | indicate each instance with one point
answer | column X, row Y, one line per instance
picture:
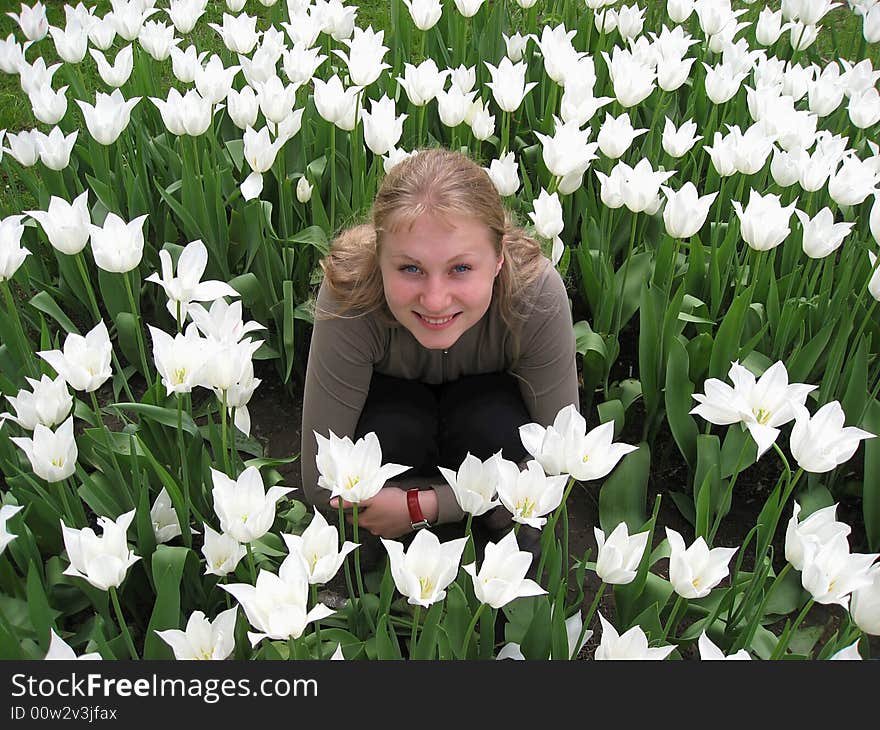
column 818, row 443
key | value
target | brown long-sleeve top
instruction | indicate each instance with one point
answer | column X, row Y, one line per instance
column 346, row 350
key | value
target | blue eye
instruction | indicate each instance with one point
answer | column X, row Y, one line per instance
column 409, row 269
column 461, row 268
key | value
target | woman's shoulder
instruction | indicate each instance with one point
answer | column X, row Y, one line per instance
column 545, row 291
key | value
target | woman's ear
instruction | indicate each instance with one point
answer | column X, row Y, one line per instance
column 499, row 264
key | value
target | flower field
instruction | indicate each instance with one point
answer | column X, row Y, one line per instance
column 703, row 174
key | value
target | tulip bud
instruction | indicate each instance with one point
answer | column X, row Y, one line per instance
column 678, row 142
column 12, row 254
column 32, row 21
column 785, row 167
column 382, row 128
column 242, row 107
column 55, row 148
column 547, row 215
column 52, row 454
column 504, row 175
column 102, row 561
column 616, row 135
column 304, row 190
column 764, row 223
column 424, row 13
column 685, row 211
column 222, row 552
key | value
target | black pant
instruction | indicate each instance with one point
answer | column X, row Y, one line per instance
column 426, row 426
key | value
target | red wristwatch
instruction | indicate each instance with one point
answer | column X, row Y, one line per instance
column 416, row 518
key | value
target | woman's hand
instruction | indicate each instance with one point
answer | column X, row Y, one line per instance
column 387, row 515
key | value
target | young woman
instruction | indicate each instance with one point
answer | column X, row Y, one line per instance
column 441, row 327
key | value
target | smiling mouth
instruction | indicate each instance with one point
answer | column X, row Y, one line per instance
column 436, row 321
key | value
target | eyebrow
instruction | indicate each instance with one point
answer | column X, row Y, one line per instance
column 407, row 257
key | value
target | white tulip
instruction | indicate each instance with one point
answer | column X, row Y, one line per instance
column 166, row 526
column 318, row 547
column 502, row 576
column 424, row 571
column 203, row 639
column 85, row 361
column 222, row 552
column 48, row 403
column 246, row 510
column 102, row 561
column 116, row 245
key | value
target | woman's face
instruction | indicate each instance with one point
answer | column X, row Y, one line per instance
column 438, row 277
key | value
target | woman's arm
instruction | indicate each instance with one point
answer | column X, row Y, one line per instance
column 338, row 373
column 547, row 369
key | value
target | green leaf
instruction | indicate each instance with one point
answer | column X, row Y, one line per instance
column 707, row 482
column 637, row 274
column 126, row 329
column 678, row 400
column 44, row 302
column 457, row 618
column 787, row 596
column 387, row 646
column 871, row 484
column 168, row 565
column 41, row 614
column 536, row 641
column 251, row 290
column 727, row 341
column 160, row 414
column 426, row 646
column 312, row 236
column 100, row 494
column 622, row 496
column 612, row 410
column 801, row 364
column 592, row 348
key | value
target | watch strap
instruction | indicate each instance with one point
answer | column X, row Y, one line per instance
column 416, row 518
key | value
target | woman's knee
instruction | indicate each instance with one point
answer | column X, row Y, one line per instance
column 403, row 415
column 482, row 415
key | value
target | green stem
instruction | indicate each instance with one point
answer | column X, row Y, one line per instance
column 351, row 594
column 550, row 528
column 135, row 310
column 470, row 549
column 313, row 590
column 252, row 567
column 729, row 491
column 673, row 617
column 470, row 630
column 122, row 625
column 184, row 471
column 357, row 568
column 68, row 513
column 414, row 632
column 223, row 433
column 787, row 633
column 332, row 178
column 588, row 618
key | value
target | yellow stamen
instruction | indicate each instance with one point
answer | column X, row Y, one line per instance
column 526, row 507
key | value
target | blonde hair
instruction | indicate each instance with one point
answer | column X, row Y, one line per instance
column 438, row 182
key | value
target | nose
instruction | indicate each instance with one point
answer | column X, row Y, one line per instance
column 435, row 296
